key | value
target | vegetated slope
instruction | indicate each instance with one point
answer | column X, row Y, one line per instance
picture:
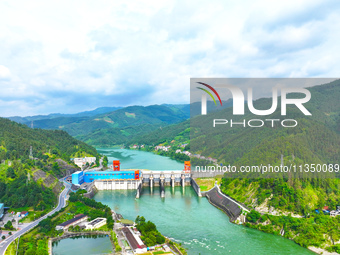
column 179, row 132
column 129, row 116
column 122, row 125
column 114, row 127
column 314, row 140
column 17, row 139
column 27, row 182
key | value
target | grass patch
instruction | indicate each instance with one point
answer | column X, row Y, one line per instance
column 207, row 183
column 130, row 115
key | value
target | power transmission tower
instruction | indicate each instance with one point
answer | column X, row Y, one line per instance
column 32, row 125
column 28, row 178
column 31, row 152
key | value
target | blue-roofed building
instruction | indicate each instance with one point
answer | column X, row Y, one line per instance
column 110, row 175
column 108, row 179
column 78, row 178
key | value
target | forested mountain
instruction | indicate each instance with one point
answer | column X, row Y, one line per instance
column 28, row 119
column 179, row 131
column 103, row 127
column 33, row 181
column 315, row 139
column 16, row 140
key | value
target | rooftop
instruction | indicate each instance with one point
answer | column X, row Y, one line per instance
column 95, row 221
column 132, row 241
column 78, row 217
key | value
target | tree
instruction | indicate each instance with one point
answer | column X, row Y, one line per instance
column 8, row 225
column 253, row 216
column 10, row 172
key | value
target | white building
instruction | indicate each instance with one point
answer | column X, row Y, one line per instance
column 96, row 223
column 72, row 222
column 82, row 161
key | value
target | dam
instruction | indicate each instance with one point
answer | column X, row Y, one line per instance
column 136, row 179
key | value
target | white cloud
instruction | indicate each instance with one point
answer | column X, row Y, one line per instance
column 144, row 52
column 4, row 73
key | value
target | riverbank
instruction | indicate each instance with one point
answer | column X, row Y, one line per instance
column 234, row 211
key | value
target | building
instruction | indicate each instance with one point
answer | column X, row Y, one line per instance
column 82, row 161
column 166, row 248
column 72, row 222
column 134, row 241
column 2, row 208
column 78, row 177
column 96, row 223
column 335, row 212
column 116, row 165
column 24, row 214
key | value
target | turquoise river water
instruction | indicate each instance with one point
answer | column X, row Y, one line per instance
column 186, row 218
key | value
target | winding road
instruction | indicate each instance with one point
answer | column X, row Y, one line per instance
column 61, row 203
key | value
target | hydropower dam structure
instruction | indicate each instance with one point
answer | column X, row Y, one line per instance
column 136, row 179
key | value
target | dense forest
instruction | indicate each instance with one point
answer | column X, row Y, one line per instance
column 27, row 181
column 16, row 140
column 315, row 139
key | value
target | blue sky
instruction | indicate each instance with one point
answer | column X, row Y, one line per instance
column 71, row 56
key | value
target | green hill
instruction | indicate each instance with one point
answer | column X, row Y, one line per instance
column 102, row 127
column 33, row 182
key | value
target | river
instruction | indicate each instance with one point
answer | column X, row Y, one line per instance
column 186, row 218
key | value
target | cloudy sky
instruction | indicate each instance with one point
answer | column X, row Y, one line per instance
column 71, row 56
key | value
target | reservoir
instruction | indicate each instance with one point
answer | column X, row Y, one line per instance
column 83, row 245
column 186, row 218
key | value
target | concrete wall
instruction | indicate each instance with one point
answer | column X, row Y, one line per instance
column 115, row 184
column 196, row 187
column 228, row 206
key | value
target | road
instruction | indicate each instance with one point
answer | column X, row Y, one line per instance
column 61, row 203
